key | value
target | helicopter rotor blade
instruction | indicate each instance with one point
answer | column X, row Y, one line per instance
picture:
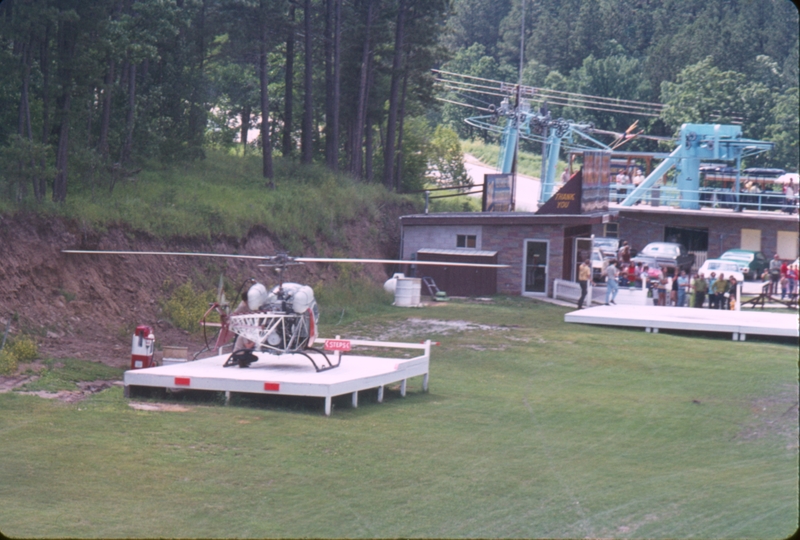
column 171, row 253
column 285, row 260
column 398, row 261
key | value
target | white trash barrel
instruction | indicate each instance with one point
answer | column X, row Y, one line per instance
column 407, row 292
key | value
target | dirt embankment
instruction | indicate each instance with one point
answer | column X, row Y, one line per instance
column 86, row 306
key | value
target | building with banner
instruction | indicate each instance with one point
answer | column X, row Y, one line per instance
column 549, row 244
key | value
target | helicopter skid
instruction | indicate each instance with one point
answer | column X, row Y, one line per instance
column 290, row 374
column 245, row 357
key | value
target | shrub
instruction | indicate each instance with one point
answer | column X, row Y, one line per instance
column 8, row 362
column 24, row 349
column 185, row 307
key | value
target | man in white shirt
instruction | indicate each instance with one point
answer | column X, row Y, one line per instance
column 612, row 287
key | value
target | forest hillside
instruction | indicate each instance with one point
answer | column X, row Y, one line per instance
column 93, row 92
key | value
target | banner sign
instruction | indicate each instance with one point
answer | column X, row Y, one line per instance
column 596, row 181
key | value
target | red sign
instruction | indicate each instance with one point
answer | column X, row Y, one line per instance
column 272, row 387
column 342, row 345
column 182, row 381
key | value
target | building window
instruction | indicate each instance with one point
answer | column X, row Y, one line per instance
column 693, row 240
column 751, row 239
column 787, row 244
column 466, row 240
column 611, row 230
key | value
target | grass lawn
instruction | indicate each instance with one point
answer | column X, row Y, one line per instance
column 531, row 428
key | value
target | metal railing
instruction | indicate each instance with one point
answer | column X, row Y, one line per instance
column 717, row 198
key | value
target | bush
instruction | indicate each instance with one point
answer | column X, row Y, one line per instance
column 24, row 349
column 8, row 362
column 185, row 307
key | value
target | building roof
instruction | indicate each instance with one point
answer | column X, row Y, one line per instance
column 465, row 252
column 506, row 218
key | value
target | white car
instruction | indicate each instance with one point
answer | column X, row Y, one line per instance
column 727, row 267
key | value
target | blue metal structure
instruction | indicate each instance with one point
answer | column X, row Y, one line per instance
column 709, row 142
column 520, row 122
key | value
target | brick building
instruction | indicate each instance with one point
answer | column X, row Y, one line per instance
column 540, row 248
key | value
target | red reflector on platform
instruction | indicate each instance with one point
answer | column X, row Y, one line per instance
column 182, row 381
column 272, row 387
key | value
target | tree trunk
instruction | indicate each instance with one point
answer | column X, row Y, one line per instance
column 60, row 182
column 24, row 101
column 361, row 112
column 368, row 170
column 399, row 168
column 245, row 127
column 328, row 40
column 308, row 114
column 66, row 51
column 266, row 145
column 337, row 81
column 197, row 114
column 44, row 62
column 127, row 147
column 288, row 97
column 105, row 121
column 391, row 122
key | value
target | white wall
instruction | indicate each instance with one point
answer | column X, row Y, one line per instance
column 436, row 237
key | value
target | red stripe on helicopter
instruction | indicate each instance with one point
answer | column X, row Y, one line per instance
column 342, row 345
column 272, row 387
column 182, row 381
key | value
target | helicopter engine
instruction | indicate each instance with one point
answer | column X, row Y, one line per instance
column 297, row 298
column 281, row 320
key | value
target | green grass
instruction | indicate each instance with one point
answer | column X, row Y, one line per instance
column 225, row 194
column 63, row 374
column 530, row 428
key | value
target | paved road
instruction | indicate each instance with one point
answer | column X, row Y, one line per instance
column 528, row 187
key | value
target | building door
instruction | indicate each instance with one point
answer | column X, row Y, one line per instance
column 535, row 267
column 583, row 251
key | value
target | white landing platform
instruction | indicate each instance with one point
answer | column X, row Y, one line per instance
column 654, row 318
column 291, row 374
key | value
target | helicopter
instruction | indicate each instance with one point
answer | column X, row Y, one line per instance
column 276, row 321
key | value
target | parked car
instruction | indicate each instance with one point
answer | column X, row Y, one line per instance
column 607, row 246
column 722, row 266
column 751, row 263
column 599, row 264
column 670, row 256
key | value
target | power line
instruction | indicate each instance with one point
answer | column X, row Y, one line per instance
column 490, row 87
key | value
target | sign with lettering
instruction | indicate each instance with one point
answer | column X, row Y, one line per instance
column 498, row 191
column 567, row 200
column 341, row 345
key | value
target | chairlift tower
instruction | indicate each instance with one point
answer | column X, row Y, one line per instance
column 697, row 142
column 520, row 122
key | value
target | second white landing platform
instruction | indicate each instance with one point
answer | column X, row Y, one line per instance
column 290, row 374
column 654, row 318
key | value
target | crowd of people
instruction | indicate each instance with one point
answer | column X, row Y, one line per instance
column 681, row 289
column 782, row 277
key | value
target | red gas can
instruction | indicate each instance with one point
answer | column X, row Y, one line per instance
column 142, row 348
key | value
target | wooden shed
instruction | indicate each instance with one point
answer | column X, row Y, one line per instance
column 460, row 280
